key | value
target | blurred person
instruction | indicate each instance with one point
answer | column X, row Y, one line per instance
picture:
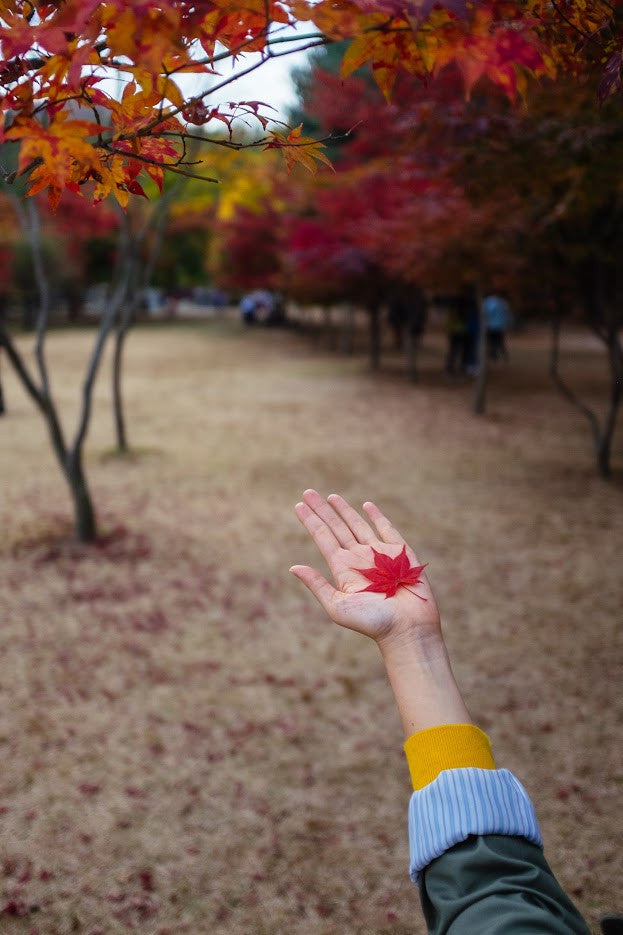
column 498, row 318
column 475, row 844
column 247, row 308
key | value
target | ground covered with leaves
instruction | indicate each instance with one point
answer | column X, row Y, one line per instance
column 187, row 745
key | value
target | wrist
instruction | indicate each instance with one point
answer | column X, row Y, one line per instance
column 412, row 642
column 422, row 680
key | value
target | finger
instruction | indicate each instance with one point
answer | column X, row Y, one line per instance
column 317, row 584
column 385, row 529
column 318, row 530
column 362, row 532
column 325, row 511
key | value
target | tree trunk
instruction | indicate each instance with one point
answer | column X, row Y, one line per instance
column 480, row 388
column 374, row 314
column 2, row 320
column 131, row 279
column 602, row 435
column 70, row 463
column 606, row 435
column 603, row 458
column 85, row 527
column 68, row 456
column 120, row 336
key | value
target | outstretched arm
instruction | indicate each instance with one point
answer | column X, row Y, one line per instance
column 405, row 626
column 474, row 838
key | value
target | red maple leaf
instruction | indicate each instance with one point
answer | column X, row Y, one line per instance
column 389, row 574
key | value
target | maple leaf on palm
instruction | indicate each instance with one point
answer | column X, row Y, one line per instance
column 388, row 574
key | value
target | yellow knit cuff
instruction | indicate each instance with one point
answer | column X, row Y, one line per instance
column 449, row 746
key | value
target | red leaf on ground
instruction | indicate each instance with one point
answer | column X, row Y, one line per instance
column 15, row 907
column 389, row 574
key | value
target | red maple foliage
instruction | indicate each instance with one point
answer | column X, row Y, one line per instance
column 75, row 133
column 388, row 574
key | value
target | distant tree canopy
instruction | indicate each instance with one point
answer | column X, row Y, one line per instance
column 432, row 189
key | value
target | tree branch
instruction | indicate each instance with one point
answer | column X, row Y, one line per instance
column 106, row 323
column 22, row 371
column 172, row 167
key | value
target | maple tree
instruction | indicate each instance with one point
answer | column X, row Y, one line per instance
column 58, row 59
column 446, row 190
column 247, row 251
column 388, row 574
column 68, row 448
column 376, row 229
column 476, row 209
column 557, row 232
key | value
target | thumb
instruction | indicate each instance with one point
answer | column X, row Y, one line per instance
column 323, row 591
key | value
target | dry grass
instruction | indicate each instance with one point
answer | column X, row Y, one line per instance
column 187, row 745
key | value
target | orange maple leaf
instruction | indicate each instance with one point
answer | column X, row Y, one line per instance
column 298, row 149
column 61, row 148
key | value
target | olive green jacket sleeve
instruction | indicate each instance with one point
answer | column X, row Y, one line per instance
column 496, row 885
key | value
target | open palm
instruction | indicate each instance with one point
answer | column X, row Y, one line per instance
column 346, row 542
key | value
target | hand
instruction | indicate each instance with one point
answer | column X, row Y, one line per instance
column 346, row 541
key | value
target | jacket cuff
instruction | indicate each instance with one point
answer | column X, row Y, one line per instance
column 449, row 746
column 464, row 802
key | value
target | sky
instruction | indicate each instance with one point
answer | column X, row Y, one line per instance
column 271, row 83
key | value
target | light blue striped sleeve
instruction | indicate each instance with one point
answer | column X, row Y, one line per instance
column 462, row 802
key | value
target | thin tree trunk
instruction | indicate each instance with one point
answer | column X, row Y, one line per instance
column 85, row 526
column 130, row 283
column 480, row 388
column 69, row 457
column 120, row 430
column 123, row 297
column 2, row 320
column 602, row 435
column 374, row 314
column 70, row 460
column 606, row 435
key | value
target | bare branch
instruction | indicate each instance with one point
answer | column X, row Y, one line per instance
column 171, row 167
column 21, row 369
column 29, row 221
column 106, row 324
